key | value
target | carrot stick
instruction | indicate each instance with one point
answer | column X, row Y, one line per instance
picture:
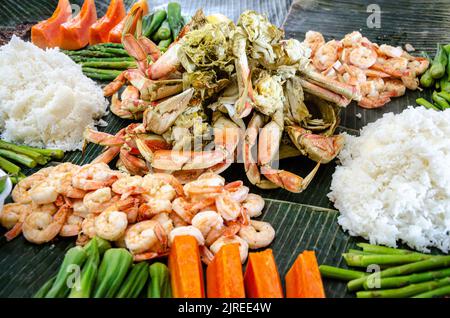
column 186, row 272
column 261, row 277
column 303, row 279
column 224, row 274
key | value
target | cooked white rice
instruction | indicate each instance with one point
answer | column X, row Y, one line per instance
column 45, row 100
column 394, row 181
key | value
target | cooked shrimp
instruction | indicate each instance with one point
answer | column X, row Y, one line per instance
column 254, row 204
column 314, row 40
column 40, row 227
column 186, row 210
column 206, row 185
column 257, row 234
column 128, row 185
column 238, row 192
column 177, row 220
column 44, row 192
column 228, row 208
column 49, row 208
column 353, row 75
column 165, row 221
column 154, row 206
column 145, row 236
column 12, row 212
column 394, row 88
column 162, row 185
column 352, row 39
column 390, row 51
column 326, row 55
column 64, row 168
column 64, row 186
column 110, row 224
column 210, row 224
column 21, row 192
column 362, row 57
column 224, row 240
column 88, row 226
column 95, row 176
column 79, row 208
column 98, row 200
column 187, row 230
column 72, row 227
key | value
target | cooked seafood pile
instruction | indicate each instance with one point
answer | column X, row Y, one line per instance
column 224, row 92
column 379, row 72
column 143, row 214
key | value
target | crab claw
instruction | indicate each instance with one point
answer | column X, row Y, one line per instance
column 288, row 180
column 150, row 48
column 317, row 147
column 134, row 48
column 160, row 118
column 115, row 85
column 166, row 64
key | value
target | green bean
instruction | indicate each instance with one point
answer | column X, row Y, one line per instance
column 439, row 63
column 163, row 32
column 423, row 102
column 440, row 100
column 174, row 18
column 157, row 18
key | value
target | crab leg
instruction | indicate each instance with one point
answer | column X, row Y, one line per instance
column 318, row 147
column 288, row 180
column 107, row 155
column 134, row 48
column 324, row 93
column 243, row 105
column 131, row 107
column 102, row 139
column 133, row 164
column 186, row 160
column 348, row 91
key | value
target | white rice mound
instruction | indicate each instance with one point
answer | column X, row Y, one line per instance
column 45, row 100
column 394, row 181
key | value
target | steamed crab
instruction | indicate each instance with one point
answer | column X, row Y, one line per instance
column 223, row 91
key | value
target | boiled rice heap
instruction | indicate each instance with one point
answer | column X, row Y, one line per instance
column 45, row 100
column 394, row 180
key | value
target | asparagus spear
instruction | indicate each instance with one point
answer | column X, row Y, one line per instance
column 26, row 161
column 358, row 260
column 109, row 50
column 400, row 281
column 433, row 262
column 18, row 177
column 340, row 273
column 109, row 45
column 376, row 249
column 53, row 153
column 98, row 76
column 28, row 151
column 88, row 53
column 407, row 291
column 8, row 166
column 124, row 65
column 438, row 292
column 353, row 251
column 79, row 59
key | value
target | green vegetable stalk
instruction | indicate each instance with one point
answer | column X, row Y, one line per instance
column 112, row 272
column 431, row 263
column 75, row 256
column 445, row 95
column 88, row 273
column 45, row 288
column 340, row 273
column 440, row 101
column 8, row 166
column 400, row 281
column 151, row 23
column 438, row 292
column 174, row 17
column 159, row 286
column 164, row 44
column 52, row 153
column 377, row 249
column 3, row 180
column 28, row 151
column 102, row 244
column 15, row 179
column 445, row 84
column 439, row 64
column 379, row 259
column 163, row 32
column 425, row 103
column 135, row 281
column 110, row 65
column 407, row 291
column 22, row 159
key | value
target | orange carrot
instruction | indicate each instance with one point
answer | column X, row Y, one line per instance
column 261, row 277
column 75, row 32
column 115, row 35
column 99, row 31
column 303, row 279
column 46, row 33
column 186, row 272
column 224, row 274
